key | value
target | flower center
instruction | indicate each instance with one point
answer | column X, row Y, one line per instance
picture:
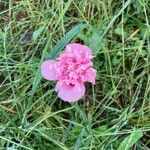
column 71, row 67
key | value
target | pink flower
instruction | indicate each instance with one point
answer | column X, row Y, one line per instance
column 71, row 69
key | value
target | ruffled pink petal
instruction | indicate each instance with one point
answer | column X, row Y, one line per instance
column 79, row 49
column 70, row 93
column 48, row 69
column 91, row 75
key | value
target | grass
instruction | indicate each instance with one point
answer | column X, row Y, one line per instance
column 114, row 113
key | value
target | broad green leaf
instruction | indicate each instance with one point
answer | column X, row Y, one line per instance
column 54, row 53
column 93, row 39
column 37, row 33
column 118, row 31
column 95, row 42
column 131, row 139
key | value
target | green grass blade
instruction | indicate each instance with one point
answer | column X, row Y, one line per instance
column 131, row 139
column 116, row 16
